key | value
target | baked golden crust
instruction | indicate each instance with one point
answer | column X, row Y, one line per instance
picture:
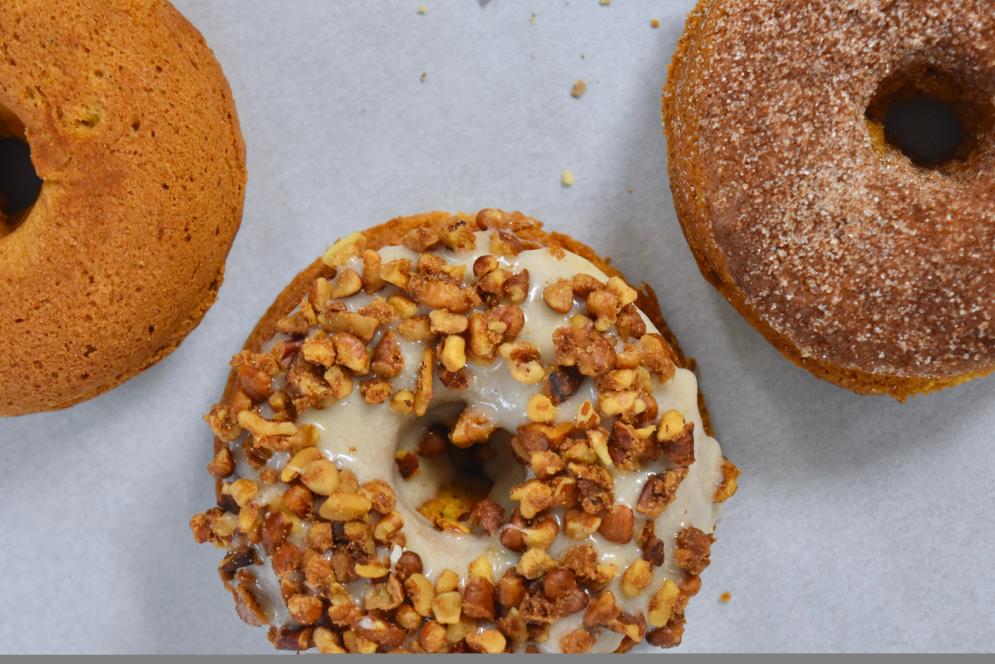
column 858, row 265
column 133, row 129
column 263, row 434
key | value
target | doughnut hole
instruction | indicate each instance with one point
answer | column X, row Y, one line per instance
column 934, row 118
column 450, row 481
column 19, row 182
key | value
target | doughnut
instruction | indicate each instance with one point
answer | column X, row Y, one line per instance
column 132, row 130
column 862, row 259
column 461, row 434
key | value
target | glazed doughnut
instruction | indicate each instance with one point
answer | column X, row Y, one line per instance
column 132, row 128
column 870, row 268
column 458, row 433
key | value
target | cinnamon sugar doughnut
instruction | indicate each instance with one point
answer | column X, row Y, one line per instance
column 461, row 434
column 871, row 269
column 132, row 128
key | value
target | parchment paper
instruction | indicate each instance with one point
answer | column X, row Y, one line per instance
column 861, row 524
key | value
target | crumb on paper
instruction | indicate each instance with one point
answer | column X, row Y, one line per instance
column 568, row 178
column 629, row 190
column 654, row 23
column 422, row 9
column 725, row 597
column 532, row 19
column 578, row 89
column 423, row 77
column 604, row 3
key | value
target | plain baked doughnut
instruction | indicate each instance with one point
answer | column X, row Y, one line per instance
column 461, row 434
column 132, row 127
column 867, row 267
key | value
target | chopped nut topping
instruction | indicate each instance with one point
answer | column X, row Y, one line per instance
column 659, row 491
column 657, row 356
column 662, row 604
column 540, row 409
column 453, row 355
column 559, row 296
column 356, row 324
column 347, row 282
column 577, row 642
column 421, row 593
column 432, row 637
column 444, row 322
column 388, row 361
column 727, row 487
column 344, row 249
column 489, row 641
column 375, row 391
column 471, row 428
column 616, row 524
column 260, row 427
column 320, row 476
column 305, row 609
column 446, row 607
column 533, row 497
column 423, row 383
column 402, row 306
column 421, row 238
column 222, row 465
column 351, row 353
column 692, row 550
column 345, row 507
column 636, row 578
column 580, row 525
column 534, row 563
column 478, row 598
column 457, row 235
column 587, row 350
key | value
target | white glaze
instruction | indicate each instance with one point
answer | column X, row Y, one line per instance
column 364, row 438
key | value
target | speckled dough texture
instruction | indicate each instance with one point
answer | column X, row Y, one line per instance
column 133, row 129
column 867, row 270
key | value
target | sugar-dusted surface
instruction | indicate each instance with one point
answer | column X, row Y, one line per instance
column 857, row 259
column 860, row 524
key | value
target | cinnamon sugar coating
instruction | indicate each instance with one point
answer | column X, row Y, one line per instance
column 859, row 265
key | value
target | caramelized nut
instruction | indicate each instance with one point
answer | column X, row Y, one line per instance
column 453, row 355
column 321, row 476
column 446, row 607
column 345, row 507
column 662, row 603
column 559, row 296
column 540, row 409
column 636, row 578
column 616, row 524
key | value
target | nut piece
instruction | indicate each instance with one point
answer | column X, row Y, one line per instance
column 345, row 507
column 421, row 593
column 320, row 476
column 423, row 383
column 448, row 580
column 559, row 296
column 432, row 637
column 444, row 322
column 577, row 642
column 453, row 353
column 662, row 603
column 692, row 551
column 578, row 524
column 727, row 487
column 533, row 497
column 305, row 609
column 351, row 353
column 534, row 563
column 489, row 641
column 616, row 524
column 471, row 428
column 344, row 249
column 636, row 578
column 540, row 409
column 478, row 599
column 447, row 607
column 388, row 361
column 261, row 427
column 222, row 465
column 347, row 282
column 659, row 491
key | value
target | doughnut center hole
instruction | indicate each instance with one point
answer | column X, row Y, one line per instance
column 19, row 181
column 929, row 116
column 450, row 481
column 925, row 130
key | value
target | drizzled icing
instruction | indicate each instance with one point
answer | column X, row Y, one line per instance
column 364, row 438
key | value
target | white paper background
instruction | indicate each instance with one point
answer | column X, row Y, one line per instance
column 861, row 524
